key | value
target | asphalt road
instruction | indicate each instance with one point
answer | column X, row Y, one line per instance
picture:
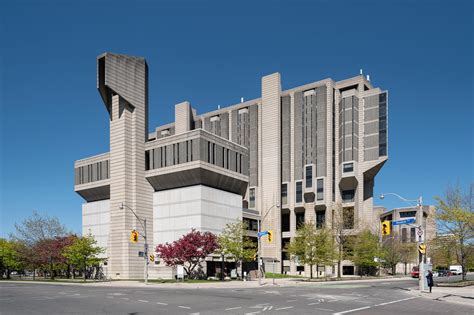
column 390, row 297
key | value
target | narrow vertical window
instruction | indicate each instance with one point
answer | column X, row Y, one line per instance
column 284, row 194
column 252, row 198
column 320, row 189
column 299, row 192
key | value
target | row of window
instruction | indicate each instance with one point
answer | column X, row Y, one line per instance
column 348, row 219
column 169, row 155
column 92, row 172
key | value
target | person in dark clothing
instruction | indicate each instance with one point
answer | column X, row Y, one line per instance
column 429, row 277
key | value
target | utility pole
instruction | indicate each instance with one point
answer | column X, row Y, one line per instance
column 259, row 225
column 145, row 250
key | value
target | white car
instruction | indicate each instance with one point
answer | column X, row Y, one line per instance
column 456, row 269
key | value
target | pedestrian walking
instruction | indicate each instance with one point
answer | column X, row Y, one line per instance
column 429, row 277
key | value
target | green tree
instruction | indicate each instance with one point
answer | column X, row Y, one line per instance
column 83, row 252
column 342, row 224
column 455, row 215
column 365, row 249
column 312, row 246
column 408, row 254
column 233, row 241
column 442, row 250
column 9, row 257
column 391, row 252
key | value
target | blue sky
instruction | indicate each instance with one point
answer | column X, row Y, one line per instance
column 213, row 53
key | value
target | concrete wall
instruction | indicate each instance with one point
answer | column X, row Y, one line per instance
column 96, row 221
column 177, row 211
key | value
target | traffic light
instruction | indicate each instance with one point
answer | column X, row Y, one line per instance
column 270, row 236
column 134, row 236
column 386, row 228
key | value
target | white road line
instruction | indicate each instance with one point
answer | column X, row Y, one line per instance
column 144, row 301
column 381, row 304
column 186, row 307
column 233, row 308
column 386, row 303
column 324, row 309
column 315, row 303
column 354, row 310
column 258, row 312
column 159, row 303
column 124, row 298
column 283, row 308
column 289, row 301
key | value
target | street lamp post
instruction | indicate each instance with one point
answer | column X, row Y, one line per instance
column 259, row 225
column 422, row 231
column 143, row 224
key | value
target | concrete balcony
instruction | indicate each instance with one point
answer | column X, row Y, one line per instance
column 92, row 177
column 194, row 158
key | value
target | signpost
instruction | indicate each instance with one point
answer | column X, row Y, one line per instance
column 406, row 221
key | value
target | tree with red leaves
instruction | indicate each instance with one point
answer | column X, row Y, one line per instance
column 189, row 251
column 49, row 252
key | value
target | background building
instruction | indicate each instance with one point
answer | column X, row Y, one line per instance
column 291, row 155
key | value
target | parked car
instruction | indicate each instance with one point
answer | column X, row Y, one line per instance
column 415, row 272
column 456, row 269
column 444, row 273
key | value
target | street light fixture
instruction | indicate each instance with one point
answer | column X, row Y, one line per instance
column 143, row 224
column 421, row 256
column 260, row 223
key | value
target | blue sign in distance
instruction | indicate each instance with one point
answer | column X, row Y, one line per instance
column 406, row 221
column 260, row 234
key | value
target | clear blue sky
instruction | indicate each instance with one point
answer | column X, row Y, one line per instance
column 212, row 53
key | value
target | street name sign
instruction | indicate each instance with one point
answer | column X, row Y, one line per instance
column 260, row 234
column 406, row 221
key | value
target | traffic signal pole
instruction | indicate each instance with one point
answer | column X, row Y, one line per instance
column 143, row 224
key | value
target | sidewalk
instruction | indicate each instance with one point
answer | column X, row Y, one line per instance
column 461, row 295
column 266, row 283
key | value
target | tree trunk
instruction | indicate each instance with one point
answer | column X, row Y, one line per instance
column 34, row 274
column 311, row 271
column 405, row 268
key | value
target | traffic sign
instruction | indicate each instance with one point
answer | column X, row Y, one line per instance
column 406, row 221
column 420, row 231
column 260, row 234
column 422, row 248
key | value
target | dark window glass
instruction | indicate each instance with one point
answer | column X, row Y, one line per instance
column 299, row 192
column 320, row 219
column 413, row 235
column 252, row 198
column 147, row 160
column 299, row 218
column 284, row 194
column 408, row 214
column 251, row 224
column 348, row 195
column 404, row 235
column 309, row 176
column 320, row 189
column 348, row 167
column 285, row 222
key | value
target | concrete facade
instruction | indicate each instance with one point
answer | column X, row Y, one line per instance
column 311, row 150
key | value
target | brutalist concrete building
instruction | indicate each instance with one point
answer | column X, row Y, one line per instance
column 287, row 157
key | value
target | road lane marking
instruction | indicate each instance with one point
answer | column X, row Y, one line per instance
column 289, row 301
column 324, row 309
column 124, row 298
column 144, row 301
column 160, row 303
column 386, row 303
column 186, row 307
column 283, row 308
column 233, row 308
column 315, row 303
column 353, row 310
column 381, row 304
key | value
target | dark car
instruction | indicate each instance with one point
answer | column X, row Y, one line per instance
column 444, row 273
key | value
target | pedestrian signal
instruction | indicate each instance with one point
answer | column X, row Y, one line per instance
column 386, row 228
column 134, row 236
column 270, row 236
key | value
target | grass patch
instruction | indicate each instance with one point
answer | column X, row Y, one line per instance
column 280, row 276
column 174, row 281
